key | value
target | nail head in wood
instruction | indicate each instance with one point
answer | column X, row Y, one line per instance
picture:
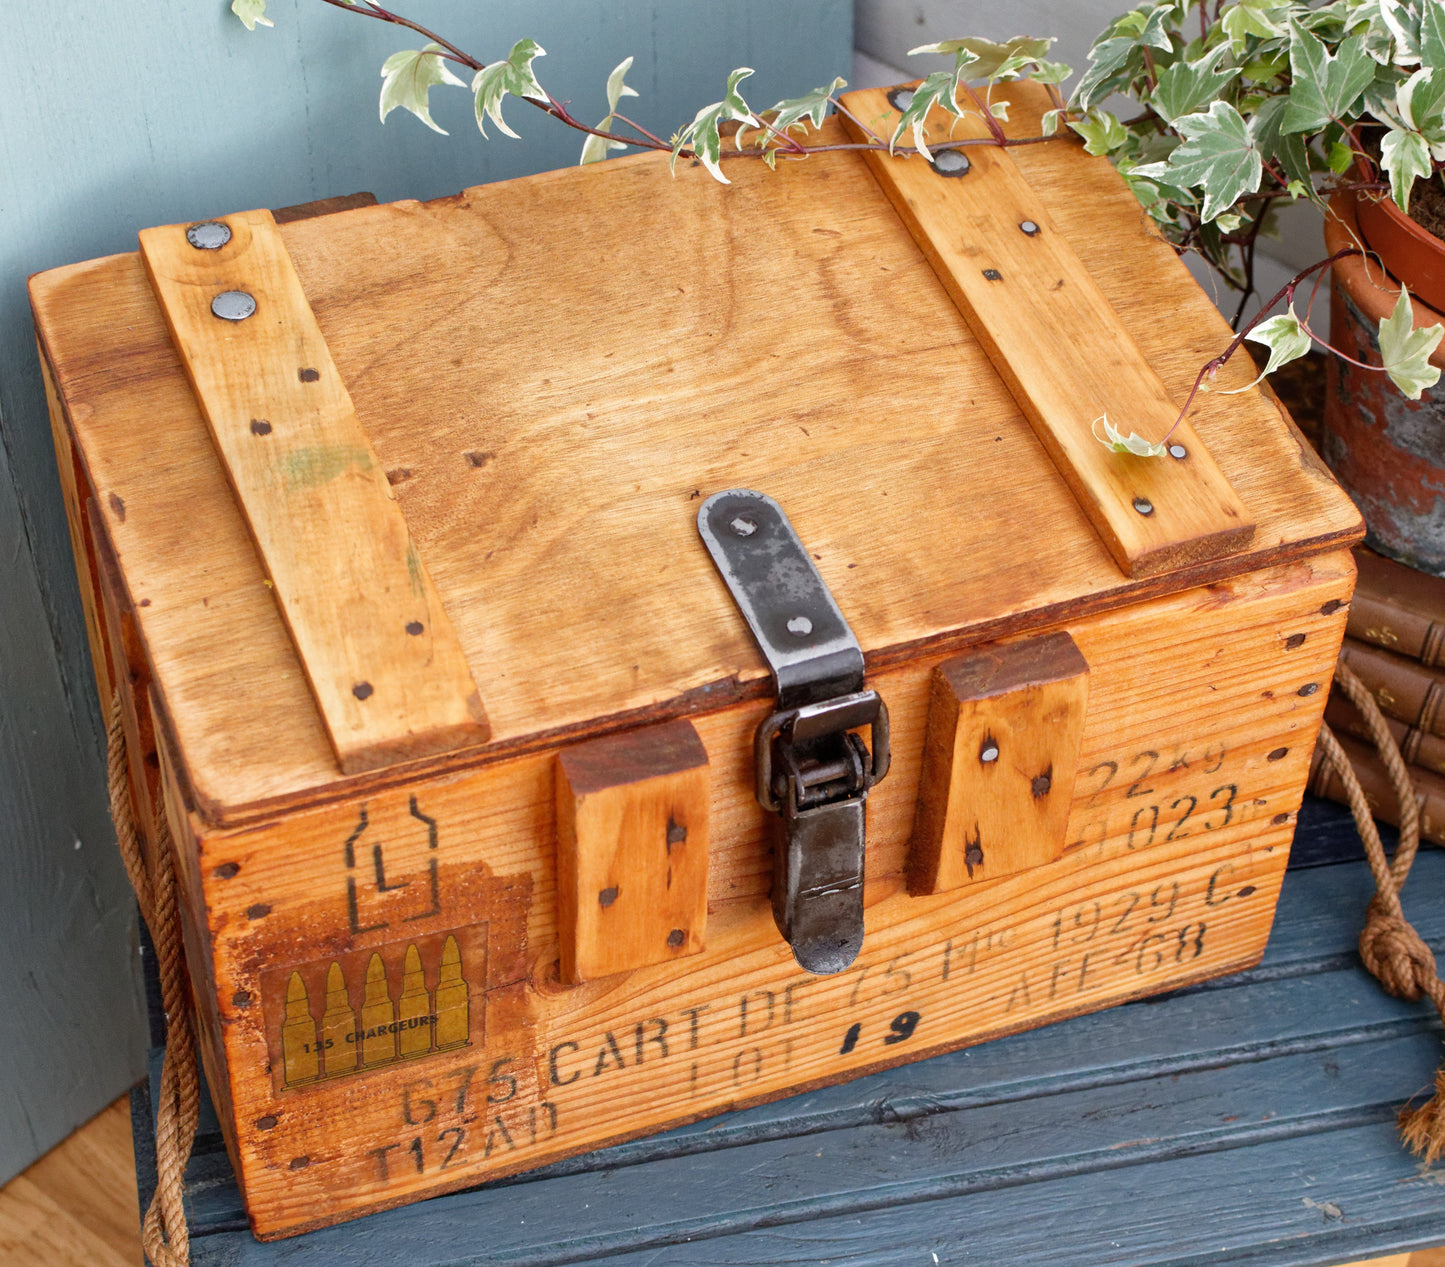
column 233, row 305
column 1143, row 505
column 1029, row 227
column 951, row 163
column 1178, row 452
column 209, row 235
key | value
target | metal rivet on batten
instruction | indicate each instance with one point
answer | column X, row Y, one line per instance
column 900, row 98
column 800, row 626
column 742, row 526
column 1178, row 451
column 233, row 305
column 1143, row 505
column 209, row 235
column 1029, row 227
column 993, row 275
column 951, row 163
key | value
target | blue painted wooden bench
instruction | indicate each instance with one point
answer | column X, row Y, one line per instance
column 1248, row 1120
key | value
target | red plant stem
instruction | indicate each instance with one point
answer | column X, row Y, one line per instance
column 385, row 15
column 558, row 110
column 622, row 118
column 842, row 109
column 993, row 125
column 1286, row 292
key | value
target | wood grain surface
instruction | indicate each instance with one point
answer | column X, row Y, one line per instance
column 1202, row 712
column 76, row 1206
column 622, row 344
column 1059, row 344
column 389, row 677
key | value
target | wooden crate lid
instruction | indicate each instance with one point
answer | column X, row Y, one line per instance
column 555, row 370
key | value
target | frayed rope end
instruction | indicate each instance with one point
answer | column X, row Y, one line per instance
column 1423, row 1128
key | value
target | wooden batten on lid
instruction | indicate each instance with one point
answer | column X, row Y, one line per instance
column 1058, row 343
column 383, row 660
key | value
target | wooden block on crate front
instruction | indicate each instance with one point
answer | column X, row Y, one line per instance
column 632, row 843
column 388, row 674
column 999, row 762
column 1060, row 346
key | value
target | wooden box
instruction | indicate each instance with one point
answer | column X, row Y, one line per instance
column 399, row 584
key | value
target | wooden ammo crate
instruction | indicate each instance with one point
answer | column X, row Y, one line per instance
column 400, row 585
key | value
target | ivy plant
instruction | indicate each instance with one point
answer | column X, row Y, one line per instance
column 1235, row 109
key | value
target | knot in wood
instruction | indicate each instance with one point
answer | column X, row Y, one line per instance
column 1394, row 952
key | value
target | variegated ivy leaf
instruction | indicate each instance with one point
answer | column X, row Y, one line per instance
column 1325, row 85
column 616, row 89
column 1147, row 25
column 1432, row 34
column 1217, row 159
column 252, row 13
column 1402, row 18
column 798, row 112
column 701, row 135
column 1288, row 150
column 1117, row 442
column 407, row 79
column 1406, row 351
column 1421, row 103
column 513, row 75
column 1050, row 72
column 1049, row 124
column 1404, row 155
column 1102, row 132
column 595, row 148
column 1186, row 87
column 983, row 59
column 939, row 89
column 999, row 110
column 1111, row 66
column 1286, row 339
column 1261, row 18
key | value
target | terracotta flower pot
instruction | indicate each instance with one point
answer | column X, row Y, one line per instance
column 1388, row 452
column 1409, row 252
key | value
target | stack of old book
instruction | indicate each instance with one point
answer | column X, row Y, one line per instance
column 1395, row 643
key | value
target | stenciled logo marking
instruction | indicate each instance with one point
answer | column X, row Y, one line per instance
column 367, row 1009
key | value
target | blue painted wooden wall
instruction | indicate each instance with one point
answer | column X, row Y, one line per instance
column 118, row 116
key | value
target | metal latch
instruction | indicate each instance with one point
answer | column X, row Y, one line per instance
column 812, row 771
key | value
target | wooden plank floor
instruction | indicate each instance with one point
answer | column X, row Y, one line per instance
column 76, row 1206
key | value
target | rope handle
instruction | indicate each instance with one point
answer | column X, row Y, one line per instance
column 164, row 1234
column 1392, row 950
